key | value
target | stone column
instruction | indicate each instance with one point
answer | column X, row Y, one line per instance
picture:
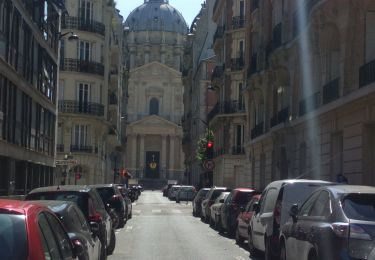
column 134, row 151
column 142, row 155
column 164, row 156
column 171, row 153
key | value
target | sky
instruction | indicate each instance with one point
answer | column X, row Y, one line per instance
column 188, row 8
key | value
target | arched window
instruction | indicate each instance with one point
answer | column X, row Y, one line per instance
column 154, row 106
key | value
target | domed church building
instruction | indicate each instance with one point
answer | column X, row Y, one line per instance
column 156, row 35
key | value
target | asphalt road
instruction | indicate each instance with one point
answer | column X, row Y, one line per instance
column 163, row 229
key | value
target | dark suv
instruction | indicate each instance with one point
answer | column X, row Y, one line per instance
column 90, row 203
column 112, row 197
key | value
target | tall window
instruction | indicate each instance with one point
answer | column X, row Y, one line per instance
column 84, row 96
column 86, row 11
column 81, row 135
column 154, row 106
column 85, row 49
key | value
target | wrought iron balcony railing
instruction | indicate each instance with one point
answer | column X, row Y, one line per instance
column 309, row 104
column 257, row 131
column 77, row 23
column 367, row 74
column 81, row 148
column 227, row 107
column 331, row 91
column 77, row 107
column 281, row 117
column 238, row 22
column 238, row 150
column 237, row 64
column 84, row 66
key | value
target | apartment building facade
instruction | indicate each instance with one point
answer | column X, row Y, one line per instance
column 90, row 93
column 199, row 97
column 227, row 119
column 310, row 90
column 29, row 36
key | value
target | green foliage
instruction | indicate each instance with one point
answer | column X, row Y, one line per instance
column 202, row 145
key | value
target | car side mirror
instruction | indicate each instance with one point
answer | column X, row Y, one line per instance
column 242, row 209
column 256, row 207
column 95, row 228
column 293, row 212
column 78, row 248
column 221, row 201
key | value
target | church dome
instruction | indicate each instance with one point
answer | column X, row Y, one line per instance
column 156, row 15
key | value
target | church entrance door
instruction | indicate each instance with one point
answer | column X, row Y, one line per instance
column 152, row 165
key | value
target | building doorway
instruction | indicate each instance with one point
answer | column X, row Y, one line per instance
column 152, row 165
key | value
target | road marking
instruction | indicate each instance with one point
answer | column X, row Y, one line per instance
column 129, row 227
column 134, row 203
column 137, row 211
column 156, row 211
column 239, row 258
column 176, row 211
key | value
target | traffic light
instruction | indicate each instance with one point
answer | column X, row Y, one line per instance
column 210, row 150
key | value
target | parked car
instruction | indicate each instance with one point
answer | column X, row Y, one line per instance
column 89, row 202
column 173, row 192
column 336, row 222
column 166, row 190
column 209, row 200
column 243, row 220
column 111, row 196
column 78, row 228
column 125, row 194
column 197, row 202
column 272, row 212
column 185, row 193
column 31, row 231
column 233, row 204
column 215, row 209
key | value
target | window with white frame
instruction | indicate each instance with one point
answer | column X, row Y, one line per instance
column 239, row 136
column 86, row 10
column 85, row 50
column 81, row 135
column 83, row 93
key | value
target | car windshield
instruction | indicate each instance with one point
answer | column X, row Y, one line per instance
column 243, row 197
column 216, row 194
column 359, row 206
column 202, row 193
column 106, row 193
column 13, row 238
column 77, row 197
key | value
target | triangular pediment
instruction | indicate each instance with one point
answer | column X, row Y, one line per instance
column 155, row 69
column 153, row 121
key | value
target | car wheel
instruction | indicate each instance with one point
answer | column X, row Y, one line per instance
column 112, row 243
column 239, row 239
column 268, row 250
column 283, row 252
column 103, row 253
column 313, row 256
column 216, row 222
column 253, row 251
column 121, row 223
column 131, row 215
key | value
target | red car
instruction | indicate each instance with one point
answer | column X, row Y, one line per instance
column 31, row 231
column 243, row 220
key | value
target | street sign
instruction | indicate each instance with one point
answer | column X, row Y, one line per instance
column 65, row 162
column 209, row 165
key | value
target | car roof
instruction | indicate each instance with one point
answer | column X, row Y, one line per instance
column 78, row 188
column 102, row 185
column 19, row 206
column 350, row 189
column 243, row 189
column 292, row 181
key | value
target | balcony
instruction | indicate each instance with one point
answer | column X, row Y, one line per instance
column 367, row 74
column 331, row 91
column 82, row 149
column 238, row 22
column 238, row 150
column 258, row 130
column 237, row 64
column 60, row 148
column 277, row 36
column 309, row 104
column 219, row 33
column 254, row 5
column 218, row 72
column 228, row 107
column 77, row 23
column 281, row 117
column 77, row 107
column 84, row 66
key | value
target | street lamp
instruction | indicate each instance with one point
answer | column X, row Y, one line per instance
column 72, row 36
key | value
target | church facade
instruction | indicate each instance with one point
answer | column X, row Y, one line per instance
column 155, row 44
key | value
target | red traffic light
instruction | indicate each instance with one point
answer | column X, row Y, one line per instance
column 210, row 144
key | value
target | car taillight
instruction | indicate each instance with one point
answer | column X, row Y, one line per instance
column 77, row 242
column 95, row 217
column 356, row 232
column 116, row 198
